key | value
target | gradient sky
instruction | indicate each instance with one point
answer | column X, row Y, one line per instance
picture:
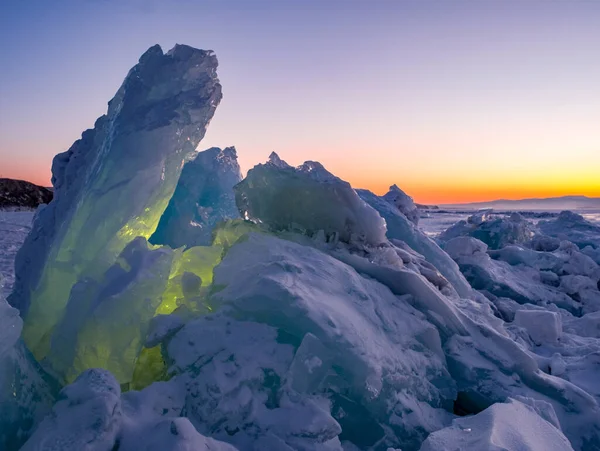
column 452, row 100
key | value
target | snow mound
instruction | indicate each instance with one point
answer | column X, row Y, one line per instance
column 307, row 199
column 507, row 426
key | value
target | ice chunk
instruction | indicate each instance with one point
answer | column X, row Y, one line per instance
column 542, row 326
column 403, row 202
column 203, row 197
column 114, row 183
column 507, row 426
column 464, row 246
column 307, row 199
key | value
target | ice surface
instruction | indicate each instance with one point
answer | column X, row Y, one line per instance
column 114, row 183
column 203, row 197
column 320, row 201
column 507, row 426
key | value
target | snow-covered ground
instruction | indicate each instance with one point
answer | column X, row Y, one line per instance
column 14, row 227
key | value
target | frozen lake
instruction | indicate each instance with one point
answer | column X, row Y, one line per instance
column 14, row 227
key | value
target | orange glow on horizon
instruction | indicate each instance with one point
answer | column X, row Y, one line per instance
column 427, row 185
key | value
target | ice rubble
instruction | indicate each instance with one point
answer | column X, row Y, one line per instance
column 203, row 198
column 323, row 321
column 495, row 231
column 574, row 228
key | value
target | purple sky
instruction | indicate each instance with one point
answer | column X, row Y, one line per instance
column 451, row 100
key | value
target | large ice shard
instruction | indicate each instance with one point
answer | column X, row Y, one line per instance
column 114, row 183
column 321, row 202
column 203, row 197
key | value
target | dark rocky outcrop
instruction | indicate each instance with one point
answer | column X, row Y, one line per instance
column 22, row 194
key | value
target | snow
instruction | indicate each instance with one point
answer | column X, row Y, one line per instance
column 91, row 415
column 542, row 326
column 504, row 426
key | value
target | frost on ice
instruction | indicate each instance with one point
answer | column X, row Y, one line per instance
column 322, row 319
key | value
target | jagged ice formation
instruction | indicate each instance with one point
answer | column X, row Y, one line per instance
column 322, row 320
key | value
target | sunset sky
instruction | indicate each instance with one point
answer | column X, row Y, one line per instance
column 454, row 101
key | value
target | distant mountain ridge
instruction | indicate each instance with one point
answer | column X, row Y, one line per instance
column 22, row 194
column 544, row 204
